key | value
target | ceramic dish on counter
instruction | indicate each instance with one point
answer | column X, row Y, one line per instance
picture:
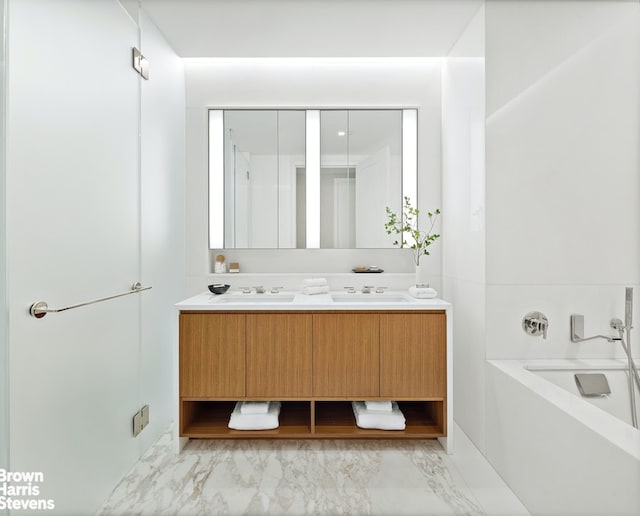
column 218, row 288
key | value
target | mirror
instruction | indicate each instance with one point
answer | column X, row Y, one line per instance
column 264, row 151
column 360, row 174
column 308, row 178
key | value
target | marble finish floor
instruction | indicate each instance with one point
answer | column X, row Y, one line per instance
column 333, row 477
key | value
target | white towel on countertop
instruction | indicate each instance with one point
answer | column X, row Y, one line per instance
column 310, row 291
column 422, row 292
column 393, row 420
column 378, row 405
column 268, row 421
column 314, row 282
column 254, row 407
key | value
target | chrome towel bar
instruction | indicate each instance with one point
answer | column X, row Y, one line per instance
column 40, row 309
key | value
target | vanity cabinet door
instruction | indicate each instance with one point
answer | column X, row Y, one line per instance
column 413, row 355
column 212, row 355
column 346, row 360
column 279, row 355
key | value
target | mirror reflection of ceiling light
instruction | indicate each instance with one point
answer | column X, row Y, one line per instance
column 341, row 133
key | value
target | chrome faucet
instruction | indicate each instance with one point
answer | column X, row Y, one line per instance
column 259, row 290
column 577, row 329
column 367, row 289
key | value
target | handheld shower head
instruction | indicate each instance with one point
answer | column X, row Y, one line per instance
column 628, row 306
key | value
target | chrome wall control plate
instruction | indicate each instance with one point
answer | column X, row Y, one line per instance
column 535, row 324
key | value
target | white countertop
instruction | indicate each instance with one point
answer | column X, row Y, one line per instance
column 289, row 300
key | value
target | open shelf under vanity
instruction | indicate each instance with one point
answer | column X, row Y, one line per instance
column 317, row 419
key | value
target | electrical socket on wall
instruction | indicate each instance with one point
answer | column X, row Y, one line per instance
column 140, row 420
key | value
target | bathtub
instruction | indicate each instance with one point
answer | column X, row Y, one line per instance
column 560, row 453
column 618, row 403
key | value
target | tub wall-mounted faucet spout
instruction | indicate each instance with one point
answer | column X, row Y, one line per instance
column 577, row 331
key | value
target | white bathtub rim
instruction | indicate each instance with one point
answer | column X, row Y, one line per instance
column 609, row 427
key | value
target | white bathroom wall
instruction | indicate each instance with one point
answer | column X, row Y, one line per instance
column 87, row 215
column 317, row 83
column 563, row 217
column 4, row 320
column 163, row 227
column 464, row 277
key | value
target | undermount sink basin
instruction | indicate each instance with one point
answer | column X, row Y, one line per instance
column 365, row 298
column 256, row 299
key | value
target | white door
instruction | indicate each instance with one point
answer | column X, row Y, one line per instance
column 343, row 216
column 373, row 191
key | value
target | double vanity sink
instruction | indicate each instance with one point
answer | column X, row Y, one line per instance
column 288, row 300
column 304, row 299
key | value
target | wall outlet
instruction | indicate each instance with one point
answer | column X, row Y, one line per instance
column 140, row 420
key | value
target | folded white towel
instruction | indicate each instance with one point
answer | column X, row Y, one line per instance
column 422, row 292
column 254, row 407
column 314, row 282
column 268, row 421
column 378, row 406
column 310, row 291
column 393, row 420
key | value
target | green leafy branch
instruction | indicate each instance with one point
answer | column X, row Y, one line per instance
column 407, row 224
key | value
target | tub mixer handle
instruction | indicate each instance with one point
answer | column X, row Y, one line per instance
column 535, row 324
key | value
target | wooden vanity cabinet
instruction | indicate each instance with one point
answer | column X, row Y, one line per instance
column 212, row 355
column 278, row 355
column 315, row 363
column 346, row 355
column 413, row 355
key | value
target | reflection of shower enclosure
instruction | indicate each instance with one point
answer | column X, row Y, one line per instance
column 262, row 150
column 237, row 208
column 243, row 191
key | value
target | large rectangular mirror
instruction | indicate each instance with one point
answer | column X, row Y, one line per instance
column 360, row 174
column 308, row 178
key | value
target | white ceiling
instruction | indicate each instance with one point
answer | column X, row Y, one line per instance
column 311, row 28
